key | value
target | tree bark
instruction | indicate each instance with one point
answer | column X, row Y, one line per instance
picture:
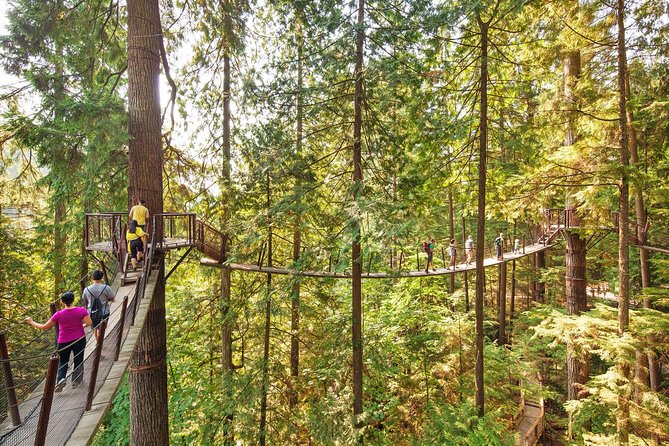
column 356, row 258
column 451, row 236
column 501, row 303
column 576, row 302
column 60, row 246
column 465, row 274
column 480, row 236
column 148, row 374
column 148, row 377
column 539, row 286
column 623, row 424
column 576, row 280
column 227, row 313
column 297, row 231
column 268, row 315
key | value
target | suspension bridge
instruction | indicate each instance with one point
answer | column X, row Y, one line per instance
column 35, row 414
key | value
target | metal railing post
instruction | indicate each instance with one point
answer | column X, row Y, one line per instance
column 96, row 364
column 10, row 390
column 47, row 400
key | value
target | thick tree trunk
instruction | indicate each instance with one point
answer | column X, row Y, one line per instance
column 576, row 302
column 148, row 374
column 501, row 303
column 145, row 151
column 480, row 236
column 623, row 227
column 356, row 258
column 576, row 280
column 148, row 377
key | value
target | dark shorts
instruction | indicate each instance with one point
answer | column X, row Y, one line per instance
column 136, row 246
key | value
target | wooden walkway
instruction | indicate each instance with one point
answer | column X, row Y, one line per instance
column 69, row 423
column 531, row 424
column 460, row 267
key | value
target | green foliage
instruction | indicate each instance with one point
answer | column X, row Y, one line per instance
column 460, row 425
column 115, row 429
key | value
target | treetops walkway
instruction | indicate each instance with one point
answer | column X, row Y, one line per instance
column 35, row 415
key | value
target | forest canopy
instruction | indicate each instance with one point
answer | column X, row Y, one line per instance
column 344, row 137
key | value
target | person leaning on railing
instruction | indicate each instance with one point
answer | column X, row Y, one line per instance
column 71, row 321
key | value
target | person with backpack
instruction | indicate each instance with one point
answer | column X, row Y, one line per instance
column 499, row 246
column 71, row 321
column 97, row 296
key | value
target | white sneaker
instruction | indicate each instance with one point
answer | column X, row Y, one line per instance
column 60, row 385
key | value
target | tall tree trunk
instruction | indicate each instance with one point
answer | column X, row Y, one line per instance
column 480, row 236
column 576, row 302
column 647, row 366
column 539, row 286
column 512, row 307
column 227, row 312
column 578, row 368
column 297, row 231
column 60, row 246
column 501, row 303
column 148, row 374
column 356, row 258
column 268, row 314
column 451, row 236
column 623, row 226
column 148, row 377
column 465, row 274
column 639, row 206
column 576, row 280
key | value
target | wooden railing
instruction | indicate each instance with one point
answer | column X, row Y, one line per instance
column 104, row 228
column 212, row 242
column 534, row 433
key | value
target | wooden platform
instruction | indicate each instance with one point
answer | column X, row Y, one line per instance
column 461, row 267
column 168, row 243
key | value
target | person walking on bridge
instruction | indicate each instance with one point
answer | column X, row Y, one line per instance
column 71, row 321
column 499, row 246
column 469, row 250
column 429, row 249
column 102, row 292
column 453, row 252
column 136, row 238
column 140, row 213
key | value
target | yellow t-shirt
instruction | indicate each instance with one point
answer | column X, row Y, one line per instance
column 129, row 236
column 139, row 213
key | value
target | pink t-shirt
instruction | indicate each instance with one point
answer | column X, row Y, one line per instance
column 70, row 323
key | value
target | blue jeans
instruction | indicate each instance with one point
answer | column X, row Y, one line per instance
column 77, row 348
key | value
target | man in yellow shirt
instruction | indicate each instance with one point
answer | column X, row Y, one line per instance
column 139, row 213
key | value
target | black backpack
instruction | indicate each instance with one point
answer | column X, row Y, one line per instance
column 98, row 311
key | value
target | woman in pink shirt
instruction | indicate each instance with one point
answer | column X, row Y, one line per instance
column 71, row 321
